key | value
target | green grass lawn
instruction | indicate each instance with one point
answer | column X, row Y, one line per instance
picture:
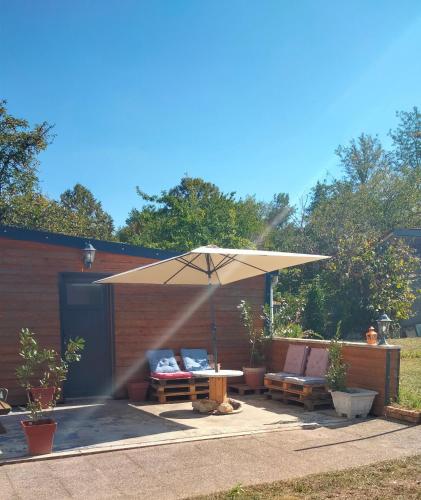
column 410, row 377
column 394, row 479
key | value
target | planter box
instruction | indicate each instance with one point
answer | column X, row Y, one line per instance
column 137, row 390
column 411, row 416
column 39, row 435
column 355, row 403
column 253, row 377
column 45, row 395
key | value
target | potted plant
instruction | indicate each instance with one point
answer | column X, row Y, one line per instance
column 51, row 370
column 253, row 373
column 348, row 401
column 43, row 370
column 39, row 430
column 137, row 390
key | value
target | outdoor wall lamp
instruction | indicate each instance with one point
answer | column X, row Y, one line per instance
column 383, row 325
column 88, row 255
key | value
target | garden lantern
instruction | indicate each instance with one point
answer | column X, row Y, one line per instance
column 371, row 336
column 88, row 255
column 383, row 324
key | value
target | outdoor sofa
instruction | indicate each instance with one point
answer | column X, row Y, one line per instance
column 303, row 379
column 172, row 377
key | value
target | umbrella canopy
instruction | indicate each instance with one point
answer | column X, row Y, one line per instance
column 212, row 266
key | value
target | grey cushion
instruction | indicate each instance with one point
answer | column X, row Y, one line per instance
column 305, row 380
column 279, row 375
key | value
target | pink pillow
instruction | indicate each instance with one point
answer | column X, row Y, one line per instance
column 317, row 362
column 171, row 375
column 296, row 359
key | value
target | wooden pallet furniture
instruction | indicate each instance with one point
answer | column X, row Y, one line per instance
column 167, row 390
column 244, row 389
column 4, row 407
column 177, row 389
column 310, row 395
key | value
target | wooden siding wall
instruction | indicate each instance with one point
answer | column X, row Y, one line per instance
column 175, row 317
column 369, row 367
column 144, row 316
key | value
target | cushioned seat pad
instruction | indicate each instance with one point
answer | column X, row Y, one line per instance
column 305, row 380
column 173, row 375
column 279, row 375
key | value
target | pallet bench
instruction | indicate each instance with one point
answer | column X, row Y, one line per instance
column 244, row 389
column 308, row 395
column 4, row 407
column 173, row 389
column 191, row 389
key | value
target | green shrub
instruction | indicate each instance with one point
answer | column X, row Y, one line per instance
column 256, row 336
column 314, row 314
column 44, row 367
column 336, row 374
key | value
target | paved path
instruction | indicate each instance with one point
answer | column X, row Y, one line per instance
column 193, row 468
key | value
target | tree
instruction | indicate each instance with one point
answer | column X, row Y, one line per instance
column 320, row 194
column 314, row 314
column 281, row 232
column 407, row 139
column 365, row 278
column 347, row 218
column 191, row 214
column 35, row 211
column 279, row 210
column 362, row 158
column 19, row 146
column 90, row 217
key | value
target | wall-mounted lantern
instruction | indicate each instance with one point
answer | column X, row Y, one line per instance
column 383, row 324
column 88, row 255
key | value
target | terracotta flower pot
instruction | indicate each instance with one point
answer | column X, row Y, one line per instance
column 137, row 390
column 253, row 377
column 45, row 395
column 39, row 435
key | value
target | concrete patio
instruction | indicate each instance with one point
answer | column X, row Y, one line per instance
column 186, row 469
column 99, row 426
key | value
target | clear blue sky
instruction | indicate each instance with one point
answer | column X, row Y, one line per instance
column 252, row 95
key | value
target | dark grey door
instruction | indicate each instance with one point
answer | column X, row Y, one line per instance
column 86, row 311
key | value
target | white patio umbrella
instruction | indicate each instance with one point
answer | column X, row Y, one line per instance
column 211, row 266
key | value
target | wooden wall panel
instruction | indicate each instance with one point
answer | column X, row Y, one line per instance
column 367, row 366
column 149, row 316
column 144, row 316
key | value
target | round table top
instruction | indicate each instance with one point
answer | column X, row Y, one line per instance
column 220, row 373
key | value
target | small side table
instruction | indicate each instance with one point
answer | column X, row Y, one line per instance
column 218, row 382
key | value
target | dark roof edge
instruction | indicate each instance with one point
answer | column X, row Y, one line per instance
column 22, row 234
column 411, row 232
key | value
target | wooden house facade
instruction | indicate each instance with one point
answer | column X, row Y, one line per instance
column 46, row 287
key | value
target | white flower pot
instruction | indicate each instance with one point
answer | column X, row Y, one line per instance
column 355, row 402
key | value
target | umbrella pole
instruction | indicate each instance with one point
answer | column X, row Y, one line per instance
column 213, row 326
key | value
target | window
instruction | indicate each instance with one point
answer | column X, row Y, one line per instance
column 84, row 294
